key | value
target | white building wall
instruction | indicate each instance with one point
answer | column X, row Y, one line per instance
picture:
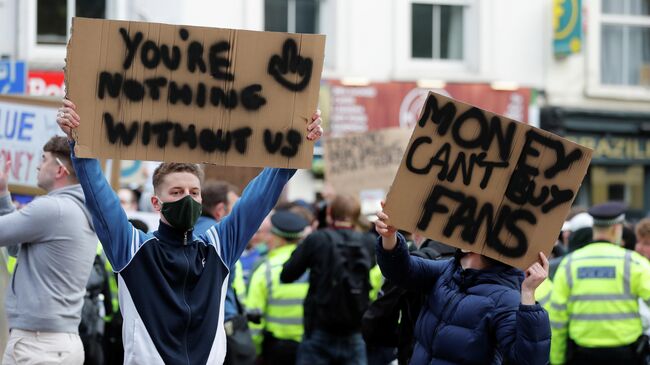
column 566, row 82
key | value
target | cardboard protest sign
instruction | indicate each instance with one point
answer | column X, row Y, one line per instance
column 483, row 182
column 26, row 124
column 364, row 161
column 160, row 92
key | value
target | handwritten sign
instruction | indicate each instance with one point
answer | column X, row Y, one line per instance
column 483, row 182
column 192, row 94
column 26, row 124
column 364, row 161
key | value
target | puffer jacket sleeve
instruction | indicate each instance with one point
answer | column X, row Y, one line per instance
column 408, row 271
column 523, row 333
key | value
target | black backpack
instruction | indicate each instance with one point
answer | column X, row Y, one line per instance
column 390, row 320
column 346, row 298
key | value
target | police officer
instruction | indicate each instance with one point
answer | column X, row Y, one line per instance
column 281, row 329
column 594, row 305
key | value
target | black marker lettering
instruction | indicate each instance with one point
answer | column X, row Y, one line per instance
column 195, row 57
column 131, row 46
column 173, row 60
column 293, row 139
column 211, row 141
column 440, row 116
column 432, row 204
column 188, row 136
column 250, row 97
column 154, row 85
column 162, row 129
column 241, row 136
column 133, row 90
column 289, row 64
column 150, row 55
column 118, row 132
column 184, row 93
column 111, row 83
column 219, row 64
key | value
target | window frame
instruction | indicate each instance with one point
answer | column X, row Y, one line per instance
column 291, row 16
column 594, row 87
column 409, row 67
column 29, row 48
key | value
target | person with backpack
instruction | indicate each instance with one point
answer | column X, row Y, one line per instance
column 478, row 310
column 389, row 322
column 339, row 261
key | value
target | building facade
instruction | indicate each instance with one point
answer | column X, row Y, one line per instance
column 598, row 94
column 584, row 63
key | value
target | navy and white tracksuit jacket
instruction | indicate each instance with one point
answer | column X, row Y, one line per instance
column 172, row 284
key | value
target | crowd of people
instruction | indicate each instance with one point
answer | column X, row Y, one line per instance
column 238, row 277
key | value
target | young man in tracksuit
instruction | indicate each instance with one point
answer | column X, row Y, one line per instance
column 173, row 282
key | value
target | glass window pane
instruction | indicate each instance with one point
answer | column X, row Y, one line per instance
column 451, row 32
column 307, row 16
column 638, row 70
column 613, row 6
column 51, row 18
column 421, row 31
column 627, row 7
column 611, row 55
column 91, row 8
column 625, row 55
column 275, row 15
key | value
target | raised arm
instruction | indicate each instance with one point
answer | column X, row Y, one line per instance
column 407, row 271
column 256, row 202
column 118, row 237
column 301, row 258
column 523, row 332
column 18, row 225
column 397, row 264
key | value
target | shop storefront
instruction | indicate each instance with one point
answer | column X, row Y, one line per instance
column 620, row 168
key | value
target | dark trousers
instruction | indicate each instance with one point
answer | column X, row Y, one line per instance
column 240, row 349
column 322, row 348
column 603, row 355
column 277, row 351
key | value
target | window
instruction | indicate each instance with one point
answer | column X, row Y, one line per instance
column 294, row 16
column 625, row 42
column 52, row 17
column 437, row 31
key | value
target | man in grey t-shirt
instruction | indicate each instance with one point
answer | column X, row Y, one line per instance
column 55, row 244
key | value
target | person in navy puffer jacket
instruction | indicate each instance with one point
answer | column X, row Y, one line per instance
column 479, row 311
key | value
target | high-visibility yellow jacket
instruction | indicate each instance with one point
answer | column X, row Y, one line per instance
column 280, row 303
column 376, row 281
column 595, row 298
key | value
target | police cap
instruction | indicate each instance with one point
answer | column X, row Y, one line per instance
column 287, row 224
column 608, row 214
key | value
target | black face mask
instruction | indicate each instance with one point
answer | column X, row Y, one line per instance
column 182, row 214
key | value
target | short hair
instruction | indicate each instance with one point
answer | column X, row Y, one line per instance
column 345, row 207
column 643, row 228
column 59, row 147
column 214, row 192
column 167, row 168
